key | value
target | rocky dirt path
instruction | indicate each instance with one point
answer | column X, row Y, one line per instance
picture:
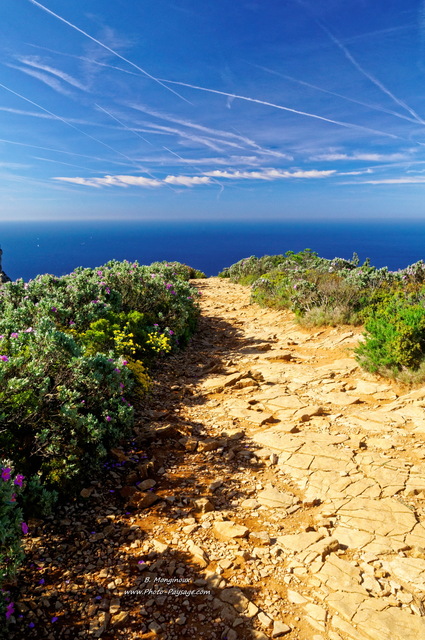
column 273, row 489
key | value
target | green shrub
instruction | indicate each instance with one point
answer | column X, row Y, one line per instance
column 395, row 337
column 60, row 410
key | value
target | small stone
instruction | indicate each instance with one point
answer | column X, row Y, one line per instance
column 228, row 530
column 225, row 564
column 114, row 607
column 215, row 485
column 250, row 503
column 280, row 629
column 260, row 536
column 155, row 628
column 146, row 484
column 143, row 500
column 120, row 619
column 86, row 493
column 275, row 499
column 202, row 505
column 264, row 619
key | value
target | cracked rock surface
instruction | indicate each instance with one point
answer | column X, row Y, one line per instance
column 273, row 489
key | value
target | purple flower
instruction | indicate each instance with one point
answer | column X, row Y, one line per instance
column 117, row 370
column 24, row 528
column 31, row 625
column 10, row 610
column 171, row 332
column 42, row 581
column 19, row 479
column 54, row 309
column 29, row 330
column 14, row 335
column 54, row 619
column 124, row 362
column 107, row 290
column 4, row 358
column 121, row 385
column 108, row 418
column 5, row 474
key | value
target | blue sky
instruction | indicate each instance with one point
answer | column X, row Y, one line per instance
column 175, row 109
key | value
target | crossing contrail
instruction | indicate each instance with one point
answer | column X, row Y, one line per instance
column 348, row 125
column 135, row 133
column 101, row 44
column 87, row 135
column 338, row 95
column 370, row 77
column 358, row 66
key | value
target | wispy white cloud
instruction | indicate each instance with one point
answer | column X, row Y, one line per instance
column 355, row 173
column 33, row 61
column 270, row 174
column 67, row 122
column 362, row 156
column 105, row 46
column 136, row 181
column 111, row 181
column 402, row 180
column 90, row 60
column 187, row 181
column 53, row 83
column 217, row 133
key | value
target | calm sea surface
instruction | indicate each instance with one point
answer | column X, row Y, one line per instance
column 57, row 248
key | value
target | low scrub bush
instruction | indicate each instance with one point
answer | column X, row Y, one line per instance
column 394, row 338
column 60, row 410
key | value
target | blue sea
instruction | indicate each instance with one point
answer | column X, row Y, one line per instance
column 57, row 248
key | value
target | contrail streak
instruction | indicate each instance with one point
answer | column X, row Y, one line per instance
column 87, row 135
column 69, row 153
column 136, row 134
column 369, row 76
column 338, row 95
column 122, row 124
column 101, row 44
column 83, row 58
column 348, row 125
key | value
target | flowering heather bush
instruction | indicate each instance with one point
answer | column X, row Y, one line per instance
column 60, row 409
column 181, row 271
column 71, row 350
